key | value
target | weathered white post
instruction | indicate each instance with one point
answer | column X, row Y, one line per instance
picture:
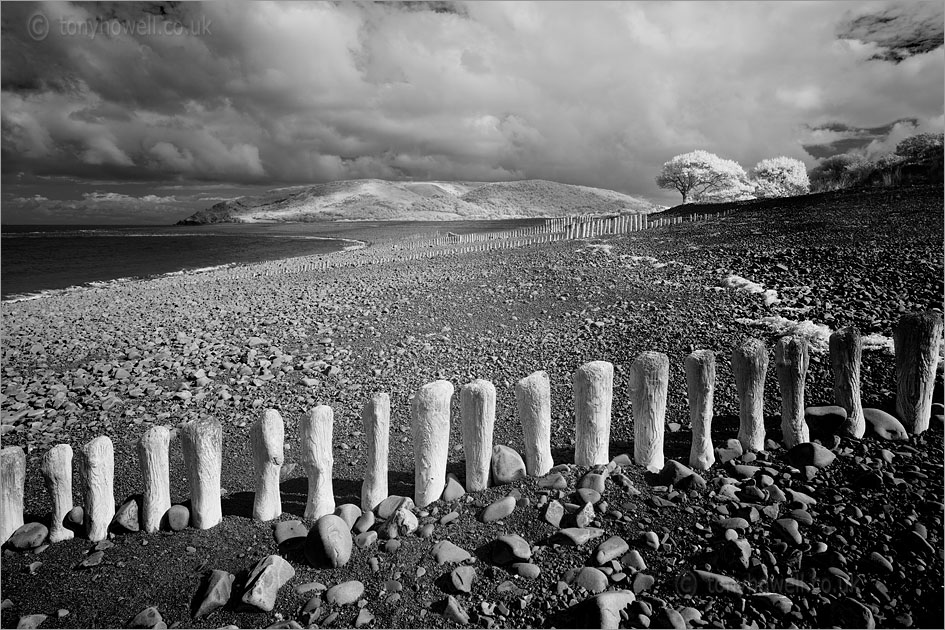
column 375, row 416
column 267, row 436
column 791, row 359
column 57, row 476
column 318, row 460
column 12, row 478
column 649, row 380
column 477, row 405
column 749, row 364
column 846, row 350
column 918, row 337
column 202, row 444
column 533, row 402
column 700, row 385
column 430, row 411
column 155, row 472
column 97, row 472
column 593, row 396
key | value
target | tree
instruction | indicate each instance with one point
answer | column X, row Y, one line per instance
column 924, row 148
column 841, row 171
column 780, row 177
column 702, row 175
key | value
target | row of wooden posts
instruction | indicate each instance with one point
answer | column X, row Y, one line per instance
column 917, row 339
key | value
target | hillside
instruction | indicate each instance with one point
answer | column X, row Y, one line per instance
column 379, row 200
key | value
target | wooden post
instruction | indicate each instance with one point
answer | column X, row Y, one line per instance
column 533, row 402
column 155, row 473
column 749, row 364
column 918, row 338
column 477, row 405
column 700, row 385
column 846, row 350
column 593, row 395
column 430, row 411
column 57, row 476
column 97, row 472
column 202, row 444
column 12, row 478
column 791, row 360
column 649, row 379
column 318, row 460
column 375, row 416
column 267, row 436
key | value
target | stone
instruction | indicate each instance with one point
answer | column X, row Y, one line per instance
column 642, row 582
column 365, row 618
column 349, row 513
column 553, row 481
column 878, row 562
column 510, row 548
column 884, row 425
column 554, row 513
column 445, row 551
column 787, row 530
column 668, row 617
column 610, row 549
column 733, row 522
column 585, row 515
column 386, row 508
column 453, row 490
column 527, row 570
column 600, row 611
column 810, row 454
column 708, row 583
column 852, row 613
column 28, row 536
column 126, row 516
column 365, row 539
column 650, row 539
column 824, row 420
column 33, row 621
column 454, row 612
column 264, row 581
column 92, row 560
column 579, row 535
column 462, row 578
column 591, row 580
column 215, row 592
column 731, row 450
column 593, row 481
column 364, row 523
column 75, row 516
column 328, row 544
column 344, row 593
column 289, row 532
column 405, row 520
column 588, row 495
column 672, row 473
column 738, row 552
column 507, row 465
column 498, row 509
column 147, row 618
column 633, row 560
column 177, row 517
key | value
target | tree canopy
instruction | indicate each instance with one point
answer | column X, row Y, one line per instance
column 702, row 175
column 780, row 177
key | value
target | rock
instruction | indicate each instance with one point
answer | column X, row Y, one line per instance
column 510, row 548
column 633, row 560
column 878, row 562
column 787, row 530
column 177, row 517
column 147, row 618
column 126, row 516
column 593, row 481
column 592, row 580
column 364, row 523
column 453, row 490
column 454, row 612
column 810, row 454
column 344, row 593
column 462, row 578
column 215, row 593
column 588, row 495
column 498, row 510
column 611, row 549
column 672, row 473
column 695, row 481
column 328, row 543
column 668, row 617
column 507, row 465
column 553, row 481
column 33, row 621
column 405, row 520
column 527, row 570
column 445, row 551
column 731, row 450
column 449, row 518
column 733, row 522
column 92, row 560
column 773, row 601
column 884, row 425
column 585, row 515
column 365, row 617
column 386, row 508
column 75, row 518
column 28, row 536
column 825, row 420
column 365, row 539
column 708, row 583
column 851, row 613
column 600, row 611
column 290, row 532
column 642, row 582
column 349, row 513
column 650, row 539
column 264, row 581
column 738, row 552
column 554, row 513
column 579, row 535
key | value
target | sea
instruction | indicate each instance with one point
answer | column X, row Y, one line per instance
column 36, row 260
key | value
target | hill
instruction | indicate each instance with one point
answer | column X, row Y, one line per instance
column 380, row 200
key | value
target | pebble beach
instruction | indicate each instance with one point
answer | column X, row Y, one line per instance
column 838, row 547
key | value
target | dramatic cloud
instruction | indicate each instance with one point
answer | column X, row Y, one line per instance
column 591, row 93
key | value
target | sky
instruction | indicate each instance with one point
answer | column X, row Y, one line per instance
column 143, row 113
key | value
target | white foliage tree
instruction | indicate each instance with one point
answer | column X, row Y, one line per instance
column 704, row 176
column 780, row 177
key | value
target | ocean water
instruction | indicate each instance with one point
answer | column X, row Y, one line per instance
column 38, row 259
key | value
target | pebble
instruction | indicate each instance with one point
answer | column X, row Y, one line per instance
column 364, row 618
column 177, row 517
column 498, row 509
column 462, row 578
column 28, row 536
column 553, row 481
column 33, row 621
column 593, row 481
column 349, row 513
column 592, row 580
column 510, row 548
column 610, row 549
column 364, row 523
column 554, row 513
column 445, row 551
column 884, row 425
column 344, row 593
column 507, row 465
column 454, row 612
column 787, row 530
column 633, row 560
column 365, row 539
column 810, row 454
column 526, row 570
column 147, row 618
column 642, row 582
column 708, row 583
column 386, row 508
column 446, row 519
column 328, row 543
column 668, row 618
column 579, row 535
column 453, row 490
column 215, row 592
column 284, row 531
column 585, row 515
column 600, row 611
column 264, row 581
column 650, row 539
column 126, row 516
column 731, row 450
column 588, row 495
column 773, row 601
column 93, row 560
